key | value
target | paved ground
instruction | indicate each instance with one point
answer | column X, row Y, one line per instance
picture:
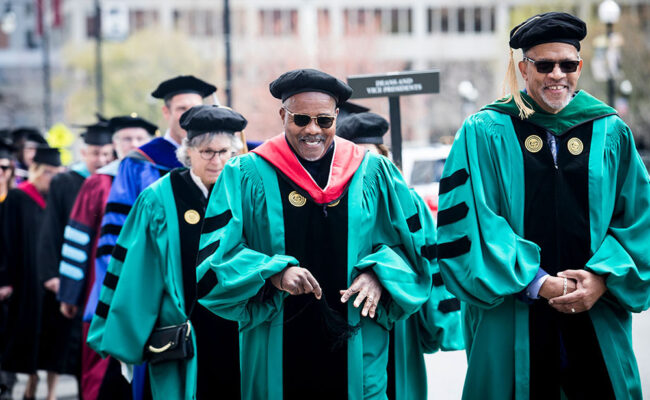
column 446, row 371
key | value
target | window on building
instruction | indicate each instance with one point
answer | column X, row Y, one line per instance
column 4, row 40
column 461, row 19
column 142, row 19
column 324, row 22
column 478, row 19
column 386, row 21
column 32, row 39
column 90, row 26
column 444, row 19
column 493, row 18
column 474, row 19
column 198, row 23
column 278, row 22
column 238, row 22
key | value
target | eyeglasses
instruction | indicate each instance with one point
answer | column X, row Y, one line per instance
column 209, row 154
column 324, row 121
column 545, row 67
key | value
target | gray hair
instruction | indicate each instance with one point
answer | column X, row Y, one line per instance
column 200, row 140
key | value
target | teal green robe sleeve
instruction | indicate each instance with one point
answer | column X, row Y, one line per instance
column 235, row 274
column 482, row 257
column 397, row 240
column 623, row 257
column 131, row 297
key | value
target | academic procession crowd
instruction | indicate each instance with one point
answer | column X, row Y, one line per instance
column 194, row 266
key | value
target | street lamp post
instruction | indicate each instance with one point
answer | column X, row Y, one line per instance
column 226, row 37
column 99, row 73
column 608, row 13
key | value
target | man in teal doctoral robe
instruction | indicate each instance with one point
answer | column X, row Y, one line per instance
column 543, row 229
column 301, row 225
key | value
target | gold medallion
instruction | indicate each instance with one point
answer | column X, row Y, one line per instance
column 192, row 217
column 296, row 199
column 575, row 146
column 533, row 143
column 336, row 203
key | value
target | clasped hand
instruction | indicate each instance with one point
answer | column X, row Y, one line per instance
column 297, row 280
column 583, row 290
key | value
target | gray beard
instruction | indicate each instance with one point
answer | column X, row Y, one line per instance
column 557, row 106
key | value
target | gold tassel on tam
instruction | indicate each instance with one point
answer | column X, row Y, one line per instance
column 510, row 82
column 243, row 139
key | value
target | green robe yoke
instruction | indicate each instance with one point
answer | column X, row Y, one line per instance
column 385, row 235
column 486, row 262
column 143, row 290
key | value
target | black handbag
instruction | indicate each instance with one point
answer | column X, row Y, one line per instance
column 170, row 343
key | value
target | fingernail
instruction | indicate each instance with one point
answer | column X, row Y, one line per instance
column 550, row 302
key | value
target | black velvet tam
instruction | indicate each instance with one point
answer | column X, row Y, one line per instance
column 211, row 118
column 549, row 27
column 363, row 128
column 309, row 80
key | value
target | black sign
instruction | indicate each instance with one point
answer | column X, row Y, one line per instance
column 395, row 84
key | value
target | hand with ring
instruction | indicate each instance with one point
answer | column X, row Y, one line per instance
column 589, row 288
column 368, row 287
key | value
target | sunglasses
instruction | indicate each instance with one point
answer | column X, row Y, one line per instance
column 545, row 67
column 324, row 121
column 5, row 167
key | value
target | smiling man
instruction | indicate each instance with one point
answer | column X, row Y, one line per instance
column 543, row 229
column 315, row 247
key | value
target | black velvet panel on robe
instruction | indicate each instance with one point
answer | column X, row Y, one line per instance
column 217, row 339
column 316, row 236
column 564, row 350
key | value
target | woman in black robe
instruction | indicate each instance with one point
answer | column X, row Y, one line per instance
column 22, row 214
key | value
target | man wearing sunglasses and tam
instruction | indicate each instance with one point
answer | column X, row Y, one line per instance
column 314, row 246
column 543, row 229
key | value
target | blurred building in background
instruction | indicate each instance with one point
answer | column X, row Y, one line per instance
column 465, row 40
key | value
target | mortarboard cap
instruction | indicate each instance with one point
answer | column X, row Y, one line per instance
column 183, row 84
column 28, row 134
column 309, row 80
column 211, row 118
column 6, row 149
column 131, row 121
column 363, row 128
column 97, row 134
column 5, row 135
column 549, row 27
column 48, row 155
